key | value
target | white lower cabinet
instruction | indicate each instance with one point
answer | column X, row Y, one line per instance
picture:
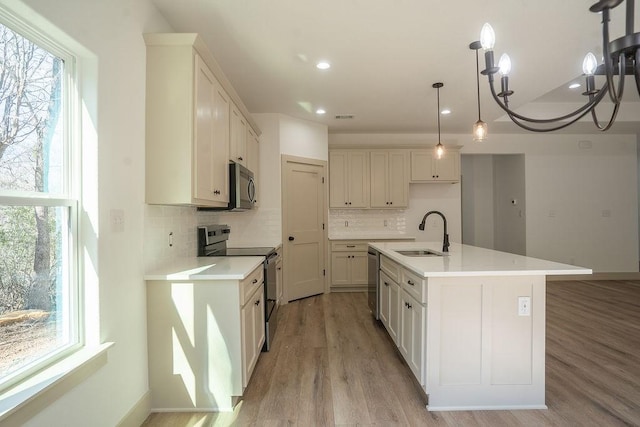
column 252, row 333
column 390, row 305
column 403, row 312
column 204, row 339
column 412, row 334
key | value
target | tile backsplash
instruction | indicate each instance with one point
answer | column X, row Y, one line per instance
column 170, row 231
column 343, row 222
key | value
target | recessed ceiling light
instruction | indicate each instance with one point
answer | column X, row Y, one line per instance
column 574, row 85
column 320, row 111
column 323, row 65
column 445, row 111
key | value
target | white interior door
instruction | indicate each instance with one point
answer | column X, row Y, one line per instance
column 303, row 202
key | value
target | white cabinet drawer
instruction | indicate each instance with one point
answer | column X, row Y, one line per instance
column 390, row 267
column 249, row 285
column 415, row 285
column 349, row 246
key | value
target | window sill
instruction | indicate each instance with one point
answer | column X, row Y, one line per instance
column 21, row 402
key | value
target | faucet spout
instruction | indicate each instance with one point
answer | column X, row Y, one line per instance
column 445, row 240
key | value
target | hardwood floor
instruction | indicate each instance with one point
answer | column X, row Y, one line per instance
column 332, row 364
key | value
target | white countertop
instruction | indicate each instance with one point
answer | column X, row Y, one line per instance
column 207, row 268
column 465, row 260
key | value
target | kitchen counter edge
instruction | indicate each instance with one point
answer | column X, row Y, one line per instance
column 471, row 261
column 207, row 268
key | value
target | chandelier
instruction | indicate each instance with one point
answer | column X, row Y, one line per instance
column 621, row 57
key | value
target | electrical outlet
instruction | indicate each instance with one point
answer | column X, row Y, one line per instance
column 524, row 306
column 117, row 220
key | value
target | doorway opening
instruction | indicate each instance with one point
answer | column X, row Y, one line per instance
column 494, row 201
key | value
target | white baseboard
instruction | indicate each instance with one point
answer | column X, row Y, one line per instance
column 138, row 413
column 596, row 276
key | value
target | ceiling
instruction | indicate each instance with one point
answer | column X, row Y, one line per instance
column 386, row 54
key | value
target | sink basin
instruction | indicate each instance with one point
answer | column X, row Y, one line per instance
column 419, row 252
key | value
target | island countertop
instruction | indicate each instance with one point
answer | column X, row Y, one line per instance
column 207, row 268
column 465, row 260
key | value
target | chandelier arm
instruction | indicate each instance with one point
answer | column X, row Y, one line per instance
column 614, row 94
column 582, row 111
column 551, row 129
column 596, row 122
column 636, row 70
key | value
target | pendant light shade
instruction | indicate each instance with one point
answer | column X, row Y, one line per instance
column 479, row 131
column 439, row 147
column 479, row 128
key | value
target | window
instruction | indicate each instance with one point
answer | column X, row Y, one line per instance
column 39, row 298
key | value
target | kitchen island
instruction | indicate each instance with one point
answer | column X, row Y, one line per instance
column 470, row 324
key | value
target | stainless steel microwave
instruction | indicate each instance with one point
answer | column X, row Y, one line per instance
column 242, row 188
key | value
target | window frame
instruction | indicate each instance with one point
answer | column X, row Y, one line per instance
column 70, row 198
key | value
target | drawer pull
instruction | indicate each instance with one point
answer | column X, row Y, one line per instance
column 255, row 281
column 410, row 282
column 351, row 246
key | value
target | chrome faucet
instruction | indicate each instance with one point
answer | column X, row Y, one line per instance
column 445, row 243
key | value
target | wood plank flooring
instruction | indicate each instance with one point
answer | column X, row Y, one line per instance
column 331, row 364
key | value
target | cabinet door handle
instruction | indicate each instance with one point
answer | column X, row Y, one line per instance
column 386, row 284
column 216, row 191
column 255, row 281
column 279, row 268
column 410, row 282
column 240, row 158
column 409, row 306
column 257, row 302
column 291, row 238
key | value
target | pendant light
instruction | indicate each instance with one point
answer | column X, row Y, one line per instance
column 479, row 127
column 439, row 147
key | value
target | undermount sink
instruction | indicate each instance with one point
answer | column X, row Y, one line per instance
column 419, row 252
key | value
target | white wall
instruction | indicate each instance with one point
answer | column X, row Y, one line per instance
column 303, row 138
column 477, row 200
column 581, row 192
column 509, row 203
column 112, row 32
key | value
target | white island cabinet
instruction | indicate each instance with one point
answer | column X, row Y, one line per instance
column 205, row 320
column 470, row 324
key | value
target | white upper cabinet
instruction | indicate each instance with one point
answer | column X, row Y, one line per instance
column 238, row 145
column 253, row 160
column 389, row 179
column 426, row 167
column 189, row 105
column 211, row 135
column 349, row 179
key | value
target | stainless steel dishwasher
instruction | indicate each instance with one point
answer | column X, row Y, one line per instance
column 373, row 259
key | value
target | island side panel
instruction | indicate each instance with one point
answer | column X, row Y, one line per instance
column 481, row 354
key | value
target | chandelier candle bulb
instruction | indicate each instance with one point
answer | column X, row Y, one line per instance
column 487, row 37
column 504, row 64
column 589, row 64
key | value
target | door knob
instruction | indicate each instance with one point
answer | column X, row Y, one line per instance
column 291, row 238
